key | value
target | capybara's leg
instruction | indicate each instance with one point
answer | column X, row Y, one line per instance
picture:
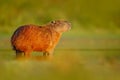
column 48, row 53
column 18, row 54
column 45, row 54
column 27, row 53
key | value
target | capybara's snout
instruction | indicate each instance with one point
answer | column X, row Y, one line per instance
column 68, row 25
column 61, row 25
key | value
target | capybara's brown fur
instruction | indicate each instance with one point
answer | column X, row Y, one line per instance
column 44, row 38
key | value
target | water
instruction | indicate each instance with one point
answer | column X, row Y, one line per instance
column 64, row 65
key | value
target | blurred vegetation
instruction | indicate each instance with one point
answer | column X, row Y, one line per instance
column 83, row 14
column 82, row 54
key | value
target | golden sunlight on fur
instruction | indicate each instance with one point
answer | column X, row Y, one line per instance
column 28, row 38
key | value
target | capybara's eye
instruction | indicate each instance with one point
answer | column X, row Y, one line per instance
column 52, row 21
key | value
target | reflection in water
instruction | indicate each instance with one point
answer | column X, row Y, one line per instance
column 64, row 65
column 37, row 58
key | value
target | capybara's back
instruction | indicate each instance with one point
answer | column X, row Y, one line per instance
column 30, row 38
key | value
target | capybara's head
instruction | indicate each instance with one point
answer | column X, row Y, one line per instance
column 60, row 25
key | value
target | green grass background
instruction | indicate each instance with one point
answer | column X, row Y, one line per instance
column 89, row 51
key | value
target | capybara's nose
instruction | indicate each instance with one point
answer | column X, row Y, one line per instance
column 69, row 25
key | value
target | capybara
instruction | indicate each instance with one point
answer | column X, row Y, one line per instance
column 28, row 38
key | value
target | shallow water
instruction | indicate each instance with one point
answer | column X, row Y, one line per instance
column 64, row 65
